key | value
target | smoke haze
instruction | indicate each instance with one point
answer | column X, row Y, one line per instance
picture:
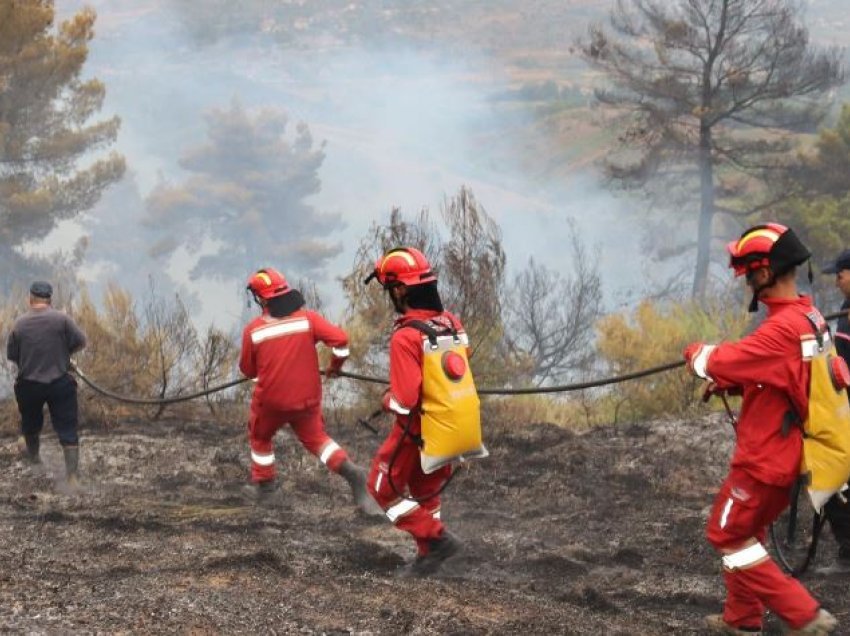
column 404, row 121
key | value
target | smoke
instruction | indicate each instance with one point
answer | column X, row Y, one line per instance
column 404, row 123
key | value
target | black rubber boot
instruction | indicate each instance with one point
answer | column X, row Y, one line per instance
column 33, row 443
column 356, row 478
column 438, row 551
column 262, row 493
column 72, row 463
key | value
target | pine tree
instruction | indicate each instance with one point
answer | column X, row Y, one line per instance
column 711, row 89
column 46, row 128
column 245, row 197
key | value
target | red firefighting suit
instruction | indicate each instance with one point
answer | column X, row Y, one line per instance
column 768, row 367
column 402, row 451
column 281, row 354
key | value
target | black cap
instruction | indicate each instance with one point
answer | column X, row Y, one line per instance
column 41, row 289
column 842, row 262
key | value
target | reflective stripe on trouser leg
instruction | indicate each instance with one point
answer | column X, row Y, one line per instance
column 745, row 558
column 309, row 428
column 262, row 461
column 399, row 510
column 328, row 450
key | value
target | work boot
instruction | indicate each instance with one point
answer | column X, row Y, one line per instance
column 72, row 463
column 30, row 447
column 438, row 551
column 356, row 478
column 823, row 623
column 716, row 625
column 261, row 493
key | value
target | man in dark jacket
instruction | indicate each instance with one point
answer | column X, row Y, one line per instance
column 41, row 344
column 838, row 509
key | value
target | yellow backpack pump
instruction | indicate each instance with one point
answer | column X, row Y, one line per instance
column 826, row 428
column 450, row 408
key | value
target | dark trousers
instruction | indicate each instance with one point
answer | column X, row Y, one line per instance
column 61, row 399
column 838, row 514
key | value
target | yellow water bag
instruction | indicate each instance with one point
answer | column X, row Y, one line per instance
column 826, row 439
column 450, row 408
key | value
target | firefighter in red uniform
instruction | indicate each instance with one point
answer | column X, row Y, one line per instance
column 279, row 350
column 396, row 480
column 767, row 366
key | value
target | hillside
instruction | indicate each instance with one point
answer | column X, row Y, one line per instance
column 598, row 532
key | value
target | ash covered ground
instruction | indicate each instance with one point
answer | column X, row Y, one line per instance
column 597, row 532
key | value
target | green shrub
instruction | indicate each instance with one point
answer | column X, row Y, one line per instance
column 656, row 334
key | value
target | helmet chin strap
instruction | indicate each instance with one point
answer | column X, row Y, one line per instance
column 754, row 303
column 257, row 300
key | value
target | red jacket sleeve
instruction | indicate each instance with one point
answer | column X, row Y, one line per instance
column 759, row 358
column 406, row 367
column 328, row 333
column 247, row 361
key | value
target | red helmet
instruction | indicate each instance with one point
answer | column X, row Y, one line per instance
column 403, row 265
column 770, row 245
column 267, row 283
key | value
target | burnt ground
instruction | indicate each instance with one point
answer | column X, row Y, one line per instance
column 598, row 532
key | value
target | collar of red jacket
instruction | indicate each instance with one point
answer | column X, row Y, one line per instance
column 416, row 314
column 778, row 304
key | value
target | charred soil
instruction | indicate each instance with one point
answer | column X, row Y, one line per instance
column 597, row 532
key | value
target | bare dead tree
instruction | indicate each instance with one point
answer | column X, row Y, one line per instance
column 172, row 342
column 472, row 276
column 216, row 358
column 368, row 312
column 551, row 317
column 470, row 266
column 693, row 78
column 310, row 291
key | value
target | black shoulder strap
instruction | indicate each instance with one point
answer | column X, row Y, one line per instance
column 426, row 328
column 819, row 325
column 433, row 331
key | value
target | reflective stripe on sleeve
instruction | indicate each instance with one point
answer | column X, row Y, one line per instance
column 398, row 408
column 745, row 558
column 341, row 352
column 404, row 507
column 700, row 361
column 330, row 448
column 378, row 482
column 262, row 459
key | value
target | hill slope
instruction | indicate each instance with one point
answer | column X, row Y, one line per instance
column 597, row 532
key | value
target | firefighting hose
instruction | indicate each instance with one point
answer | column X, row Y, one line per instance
column 561, row 388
